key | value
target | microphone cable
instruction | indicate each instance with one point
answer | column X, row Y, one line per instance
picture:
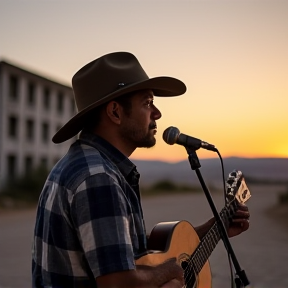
column 225, row 201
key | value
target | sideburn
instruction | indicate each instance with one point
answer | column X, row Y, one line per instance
column 126, row 102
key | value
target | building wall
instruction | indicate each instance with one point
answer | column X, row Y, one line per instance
column 30, row 114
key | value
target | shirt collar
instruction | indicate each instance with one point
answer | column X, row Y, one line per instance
column 119, row 159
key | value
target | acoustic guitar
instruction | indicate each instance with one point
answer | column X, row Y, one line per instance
column 179, row 239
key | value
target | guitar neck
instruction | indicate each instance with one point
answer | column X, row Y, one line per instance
column 208, row 243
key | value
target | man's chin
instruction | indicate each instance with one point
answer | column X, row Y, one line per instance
column 147, row 144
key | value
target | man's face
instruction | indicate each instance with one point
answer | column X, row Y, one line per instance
column 139, row 124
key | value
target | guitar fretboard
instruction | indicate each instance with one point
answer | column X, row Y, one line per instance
column 208, row 244
column 235, row 185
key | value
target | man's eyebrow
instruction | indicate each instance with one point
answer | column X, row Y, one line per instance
column 148, row 96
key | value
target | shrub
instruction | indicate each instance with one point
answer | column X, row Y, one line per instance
column 26, row 187
column 283, row 197
column 164, row 185
column 167, row 186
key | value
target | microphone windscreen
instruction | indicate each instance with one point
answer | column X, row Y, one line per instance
column 170, row 135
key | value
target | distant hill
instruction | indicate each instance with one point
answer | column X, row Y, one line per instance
column 268, row 169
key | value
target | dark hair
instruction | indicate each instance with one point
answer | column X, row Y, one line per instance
column 125, row 102
column 93, row 118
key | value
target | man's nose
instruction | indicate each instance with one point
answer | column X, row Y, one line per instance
column 156, row 113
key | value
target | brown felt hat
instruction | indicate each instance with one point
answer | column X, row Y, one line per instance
column 106, row 78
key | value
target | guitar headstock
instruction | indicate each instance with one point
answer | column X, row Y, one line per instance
column 236, row 188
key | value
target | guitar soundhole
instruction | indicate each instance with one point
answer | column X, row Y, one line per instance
column 189, row 275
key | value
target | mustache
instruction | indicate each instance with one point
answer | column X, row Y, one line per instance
column 153, row 126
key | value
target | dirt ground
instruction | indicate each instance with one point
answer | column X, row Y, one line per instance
column 16, row 226
column 279, row 213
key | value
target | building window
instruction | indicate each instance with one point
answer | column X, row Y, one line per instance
column 11, row 163
column 58, row 128
column 13, row 87
column 12, row 126
column 60, row 102
column 29, row 129
column 44, row 163
column 73, row 108
column 31, row 94
column 28, row 164
column 46, row 98
column 45, row 132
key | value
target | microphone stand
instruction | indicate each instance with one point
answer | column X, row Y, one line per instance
column 241, row 278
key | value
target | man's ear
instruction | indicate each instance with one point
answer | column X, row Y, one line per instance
column 113, row 111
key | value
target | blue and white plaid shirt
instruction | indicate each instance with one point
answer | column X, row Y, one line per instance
column 89, row 218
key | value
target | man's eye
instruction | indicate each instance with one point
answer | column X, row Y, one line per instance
column 149, row 104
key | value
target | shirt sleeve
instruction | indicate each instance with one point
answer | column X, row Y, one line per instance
column 100, row 212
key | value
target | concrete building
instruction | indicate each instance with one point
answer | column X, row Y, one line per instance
column 32, row 109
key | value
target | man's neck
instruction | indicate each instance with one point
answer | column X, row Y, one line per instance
column 115, row 140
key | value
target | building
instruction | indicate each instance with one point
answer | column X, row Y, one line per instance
column 32, row 109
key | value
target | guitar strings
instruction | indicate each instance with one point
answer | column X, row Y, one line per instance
column 196, row 261
column 210, row 240
column 199, row 262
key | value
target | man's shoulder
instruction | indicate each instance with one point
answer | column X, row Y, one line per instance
column 81, row 162
column 91, row 158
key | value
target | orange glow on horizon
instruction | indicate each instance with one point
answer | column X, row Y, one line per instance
column 231, row 55
column 173, row 154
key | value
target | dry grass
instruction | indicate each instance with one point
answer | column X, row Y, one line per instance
column 279, row 212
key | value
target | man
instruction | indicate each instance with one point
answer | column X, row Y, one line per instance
column 89, row 228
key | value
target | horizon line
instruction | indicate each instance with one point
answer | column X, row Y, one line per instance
column 206, row 158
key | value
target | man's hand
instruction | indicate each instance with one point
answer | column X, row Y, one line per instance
column 239, row 222
column 177, row 273
column 165, row 275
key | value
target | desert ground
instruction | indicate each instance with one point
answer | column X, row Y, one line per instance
column 262, row 251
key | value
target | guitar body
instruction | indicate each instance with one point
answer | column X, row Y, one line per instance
column 179, row 239
column 176, row 240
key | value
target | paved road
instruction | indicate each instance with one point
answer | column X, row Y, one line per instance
column 262, row 251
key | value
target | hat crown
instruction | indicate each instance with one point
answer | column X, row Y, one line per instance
column 104, row 76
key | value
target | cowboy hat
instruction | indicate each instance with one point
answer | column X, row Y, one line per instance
column 106, row 78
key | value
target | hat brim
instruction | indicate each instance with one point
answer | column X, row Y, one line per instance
column 161, row 87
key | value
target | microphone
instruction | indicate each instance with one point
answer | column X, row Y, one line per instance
column 172, row 135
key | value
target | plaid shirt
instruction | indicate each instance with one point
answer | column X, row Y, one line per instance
column 89, row 218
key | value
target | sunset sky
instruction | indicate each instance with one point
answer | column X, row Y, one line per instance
column 232, row 55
